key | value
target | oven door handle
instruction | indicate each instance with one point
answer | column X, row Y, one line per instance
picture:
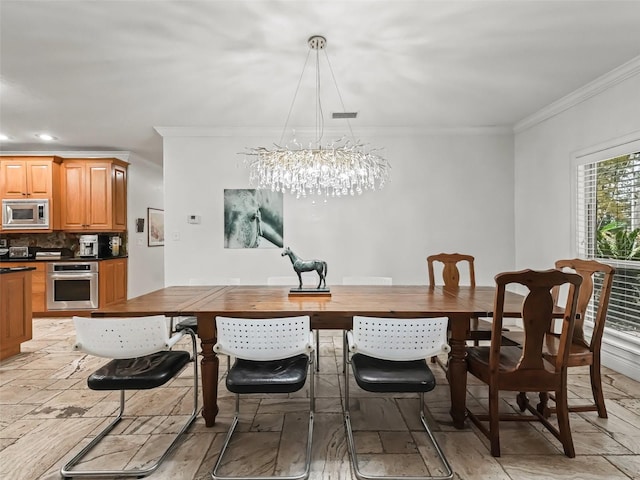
column 72, row 276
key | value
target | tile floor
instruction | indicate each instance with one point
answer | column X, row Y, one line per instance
column 47, row 413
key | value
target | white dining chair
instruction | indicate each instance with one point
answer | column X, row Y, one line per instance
column 293, row 282
column 361, row 280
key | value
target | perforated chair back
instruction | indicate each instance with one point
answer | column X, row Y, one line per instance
column 399, row 339
column 264, row 339
column 120, row 338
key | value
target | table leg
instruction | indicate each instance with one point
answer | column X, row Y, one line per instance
column 457, row 370
column 209, row 368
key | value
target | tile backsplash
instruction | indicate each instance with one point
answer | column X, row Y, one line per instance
column 52, row 240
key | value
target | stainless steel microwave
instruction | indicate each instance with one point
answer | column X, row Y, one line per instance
column 25, row 214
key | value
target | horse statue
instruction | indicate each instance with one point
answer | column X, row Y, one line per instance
column 300, row 266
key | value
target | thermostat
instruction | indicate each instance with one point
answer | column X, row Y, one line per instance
column 193, row 219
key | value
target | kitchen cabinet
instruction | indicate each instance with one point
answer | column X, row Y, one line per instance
column 112, row 281
column 32, row 178
column 15, row 311
column 38, row 283
column 29, row 177
column 94, row 195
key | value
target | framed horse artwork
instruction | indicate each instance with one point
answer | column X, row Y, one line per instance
column 252, row 218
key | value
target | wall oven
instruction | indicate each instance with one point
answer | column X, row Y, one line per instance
column 25, row 214
column 72, row 285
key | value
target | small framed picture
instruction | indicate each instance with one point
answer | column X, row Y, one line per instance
column 155, row 218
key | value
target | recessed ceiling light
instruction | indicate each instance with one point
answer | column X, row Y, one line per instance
column 3, row 137
column 46, row 137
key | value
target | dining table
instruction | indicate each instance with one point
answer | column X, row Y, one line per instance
column 334, row 310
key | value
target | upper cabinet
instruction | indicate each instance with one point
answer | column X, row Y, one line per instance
column 28, row 178
column 94, row 195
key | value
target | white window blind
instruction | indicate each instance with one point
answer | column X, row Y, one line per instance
column 608, row 230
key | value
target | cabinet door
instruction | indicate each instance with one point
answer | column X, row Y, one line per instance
column 39, row 179
column 15, row 312
column 99, row 200
column 27, row 178
column 73, row 213
column 14, row 176
column 38, row 284
column 119, row 198
column 112, row 281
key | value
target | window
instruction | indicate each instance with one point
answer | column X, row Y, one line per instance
column 608, row 230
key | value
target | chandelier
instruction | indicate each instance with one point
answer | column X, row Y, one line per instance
column 342, row 167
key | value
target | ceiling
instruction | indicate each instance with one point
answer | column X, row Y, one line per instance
column 101, row 74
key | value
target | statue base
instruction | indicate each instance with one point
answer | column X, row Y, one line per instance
column 313, row 292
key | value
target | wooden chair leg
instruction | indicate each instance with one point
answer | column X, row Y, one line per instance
column 562, row 413
column 596, row 387
column 543, row 406
column 494, row 421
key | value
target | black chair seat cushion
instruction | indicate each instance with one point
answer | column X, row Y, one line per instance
column 377, row 375
column 189, row 322
column 139, row 373
column 273, row 376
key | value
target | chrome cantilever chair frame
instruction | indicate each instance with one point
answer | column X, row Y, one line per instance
column 257, row 344
column 403, row 341
column 146, row 336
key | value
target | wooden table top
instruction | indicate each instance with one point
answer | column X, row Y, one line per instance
column 170, row 301
column 259, row 301
column 345, row 300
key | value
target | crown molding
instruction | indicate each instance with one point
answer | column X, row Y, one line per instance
column 120, row 155
column 168, row 132
column 599, row 85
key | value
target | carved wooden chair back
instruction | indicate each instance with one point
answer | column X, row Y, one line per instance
column 450, row 270
column 584, row 352
column 588, row 270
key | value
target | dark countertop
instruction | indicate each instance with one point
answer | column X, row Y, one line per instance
column 62, row 259
column 4, row 270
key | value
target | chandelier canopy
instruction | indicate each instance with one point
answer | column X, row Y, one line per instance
column 342, row 167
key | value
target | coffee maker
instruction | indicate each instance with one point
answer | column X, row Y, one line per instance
column 89, row 246
column 109, row 246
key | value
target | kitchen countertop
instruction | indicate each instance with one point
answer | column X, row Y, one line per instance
column 4, row 270
column 62, row 259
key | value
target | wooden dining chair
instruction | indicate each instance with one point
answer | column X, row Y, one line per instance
column 525, row 368
column 451, row 264
column 583, row 351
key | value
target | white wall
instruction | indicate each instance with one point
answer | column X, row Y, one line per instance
column 543, row 175
column 543, row 156
column 145, row 189
column 449, row 192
